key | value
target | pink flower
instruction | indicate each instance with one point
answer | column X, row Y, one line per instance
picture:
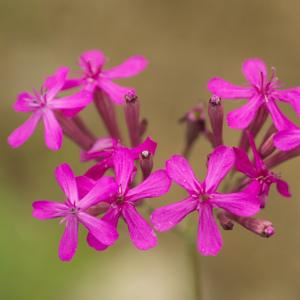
column 125, row 200
column 104, row 149
column 203, row 197
column 258, row 171
column 42, row 105
column 260, row 92
column 73, row 211
column 92, row 62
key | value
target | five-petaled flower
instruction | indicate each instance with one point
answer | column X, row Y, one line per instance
column 42, row 105
column 74, row 210
column 124, row 202
column 258, row 171
column 262, row 92
column 94, row 77
column 203, row 197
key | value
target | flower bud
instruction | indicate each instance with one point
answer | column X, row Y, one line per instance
column 195, row 125
column 146, row 163
column 216, row 115
column 263, row 228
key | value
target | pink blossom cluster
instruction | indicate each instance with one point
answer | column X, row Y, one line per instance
column 116, row 187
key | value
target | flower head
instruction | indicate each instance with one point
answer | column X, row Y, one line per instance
column 203, row 197
column 74, row 210
column 92, row 62
column 127, row 197
column 104, row 149
column 261, row 92
column 258, row 171
column 42, row 106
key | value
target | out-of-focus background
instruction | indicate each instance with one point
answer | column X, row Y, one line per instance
column 187, row 42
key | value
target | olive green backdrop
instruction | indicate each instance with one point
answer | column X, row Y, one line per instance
column 187, row 42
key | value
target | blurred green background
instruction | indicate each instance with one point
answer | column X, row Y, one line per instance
column 187, row 42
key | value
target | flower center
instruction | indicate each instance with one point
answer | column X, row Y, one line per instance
column 74, row 210
column 267, row 87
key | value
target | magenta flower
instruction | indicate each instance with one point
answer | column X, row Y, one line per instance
column 203, row 197
column 125, row 200
column 286, row 140
column 92, row 62
column 42, row 106
column 104, row 149
column 74, row 210
column 261, row 92
column 258, row 171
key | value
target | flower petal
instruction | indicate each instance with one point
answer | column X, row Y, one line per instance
column 224, row 89
column 141, row 234
column 283, row 188
column 53, row 131
column 167, row 217
column 148, row 145
column 92, row 61
column 287, row 139
column 179, row 170
column 101, row 149
column 130, row 67
column 24, row 102
column 114, row 91
column 72, row 103
column 220, row 162
column 241, row 204
column 156, row 185
column 256, row 155
column 84, row 185
column 209, row 237
column 292, row 96
column 104, row 189
column 255, row 71
column 44, row 209
column 102, row 231
column 69, row 241
column 55, row 83
column 123, row 166
column 67, row 182
column 20, row 135
column 98, row 170
column 111, row 217
column 243, row 164
column 240, row 118
column 280, row 121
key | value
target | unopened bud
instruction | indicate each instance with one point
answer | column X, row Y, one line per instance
column 280, row 157
column 263, row 228
column 216, row 115
column 132, row 115
column 146, row 163
column 195, row 125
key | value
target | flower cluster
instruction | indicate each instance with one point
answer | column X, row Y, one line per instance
column 236, row 186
